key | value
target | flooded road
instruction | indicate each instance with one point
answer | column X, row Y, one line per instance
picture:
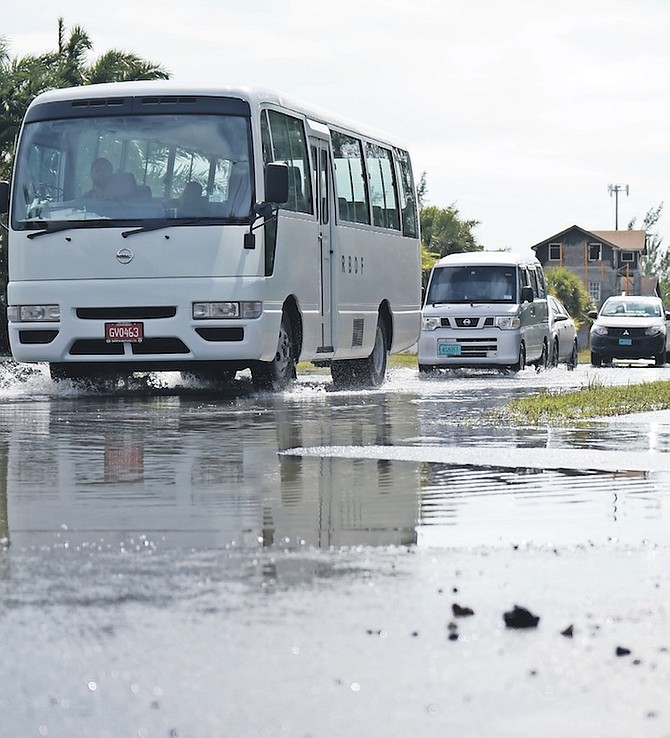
column 179, row 562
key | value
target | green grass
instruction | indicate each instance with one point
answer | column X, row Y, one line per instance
column 594, row 400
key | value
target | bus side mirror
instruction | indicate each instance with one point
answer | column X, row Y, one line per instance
column 4, row 197
column 527, row 294
column 276, row 183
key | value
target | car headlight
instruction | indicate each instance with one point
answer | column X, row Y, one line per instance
column 33, row 313
column 600, row 330
column 226, row 310
column 430, row 323
column 653, row 330
column 508, row 322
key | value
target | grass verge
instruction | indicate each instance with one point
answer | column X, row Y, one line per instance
column 591, row 401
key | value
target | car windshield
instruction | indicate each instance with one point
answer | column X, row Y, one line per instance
column 473, row 284
column 630, row 309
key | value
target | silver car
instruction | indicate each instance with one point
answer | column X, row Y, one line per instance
column 563, row 347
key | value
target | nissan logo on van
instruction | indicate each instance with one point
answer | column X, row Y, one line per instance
column 124, row 256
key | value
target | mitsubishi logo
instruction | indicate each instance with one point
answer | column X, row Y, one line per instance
column 626, row 333
column 124, row 256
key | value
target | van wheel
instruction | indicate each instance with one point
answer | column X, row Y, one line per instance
column 280, row 372
column 659, row 359
column 596, row 359
column 543, row 361
column 554, row 355
column 521, row 363
column 426, row 368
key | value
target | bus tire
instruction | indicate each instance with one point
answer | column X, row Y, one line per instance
column 364, row 373
column 280, row 372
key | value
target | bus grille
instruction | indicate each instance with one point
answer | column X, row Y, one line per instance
column 127, row 313
column 100, row 347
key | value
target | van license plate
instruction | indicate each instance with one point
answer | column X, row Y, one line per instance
column 625, row 342
column 448, row 349
column 122, row 332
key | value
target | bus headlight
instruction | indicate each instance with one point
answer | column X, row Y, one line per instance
column 430, row 324
column 33, row 313
column 225, row 310
column 508, row 322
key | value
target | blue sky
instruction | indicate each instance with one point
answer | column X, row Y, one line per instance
column 521, row 113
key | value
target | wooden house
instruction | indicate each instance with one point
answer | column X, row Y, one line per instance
column 607, row 262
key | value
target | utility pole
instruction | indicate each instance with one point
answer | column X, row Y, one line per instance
column 616, row 189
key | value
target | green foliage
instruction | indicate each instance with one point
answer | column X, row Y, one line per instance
column 23, row 78
column 569, row 289
column 444, row 232
column 656, row 262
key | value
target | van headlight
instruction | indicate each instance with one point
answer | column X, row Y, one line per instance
column 33, row 313
column 225, row 310
column 430, row 323
column 508, row 322
column 599, row 330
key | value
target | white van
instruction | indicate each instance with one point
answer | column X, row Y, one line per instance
column 485, row 309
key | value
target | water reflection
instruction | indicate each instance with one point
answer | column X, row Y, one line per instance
column 202, row 471
column 177, row 471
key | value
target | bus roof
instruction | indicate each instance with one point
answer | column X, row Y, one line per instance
column 254, row 95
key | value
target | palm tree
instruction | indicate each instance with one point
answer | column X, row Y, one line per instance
column 22, row 78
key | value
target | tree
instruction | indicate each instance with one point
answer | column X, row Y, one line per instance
column 656, row 262
column 567, row 287
column 23, row 78
column 443, row 231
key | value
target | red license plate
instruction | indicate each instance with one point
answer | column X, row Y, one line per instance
column 119, row 332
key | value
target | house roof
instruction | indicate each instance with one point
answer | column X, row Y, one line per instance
column 627, row 240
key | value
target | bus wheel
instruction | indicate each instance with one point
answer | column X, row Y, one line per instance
column 363, row 373
column 280, row 372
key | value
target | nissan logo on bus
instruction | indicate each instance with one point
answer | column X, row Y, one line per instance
column 124, row 256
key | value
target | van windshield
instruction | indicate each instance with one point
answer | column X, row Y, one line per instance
column 473, row 284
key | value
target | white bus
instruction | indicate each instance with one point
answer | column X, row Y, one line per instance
column 162, row 227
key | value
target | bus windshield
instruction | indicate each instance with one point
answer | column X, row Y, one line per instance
column 473, row 284
column 129, row 169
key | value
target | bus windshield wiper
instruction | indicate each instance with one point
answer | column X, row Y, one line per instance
column 54, row 228
column 156, row 225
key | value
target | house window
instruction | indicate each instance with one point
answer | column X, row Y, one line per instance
column 554, row 252
column 594, row 291
column 628, row 256
column 595, row 251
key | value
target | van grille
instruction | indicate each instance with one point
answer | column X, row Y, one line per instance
column 473, row 348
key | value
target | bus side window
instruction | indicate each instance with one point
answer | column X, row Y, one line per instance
column 350, row 181
column 410, row 221
column 288, row 144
